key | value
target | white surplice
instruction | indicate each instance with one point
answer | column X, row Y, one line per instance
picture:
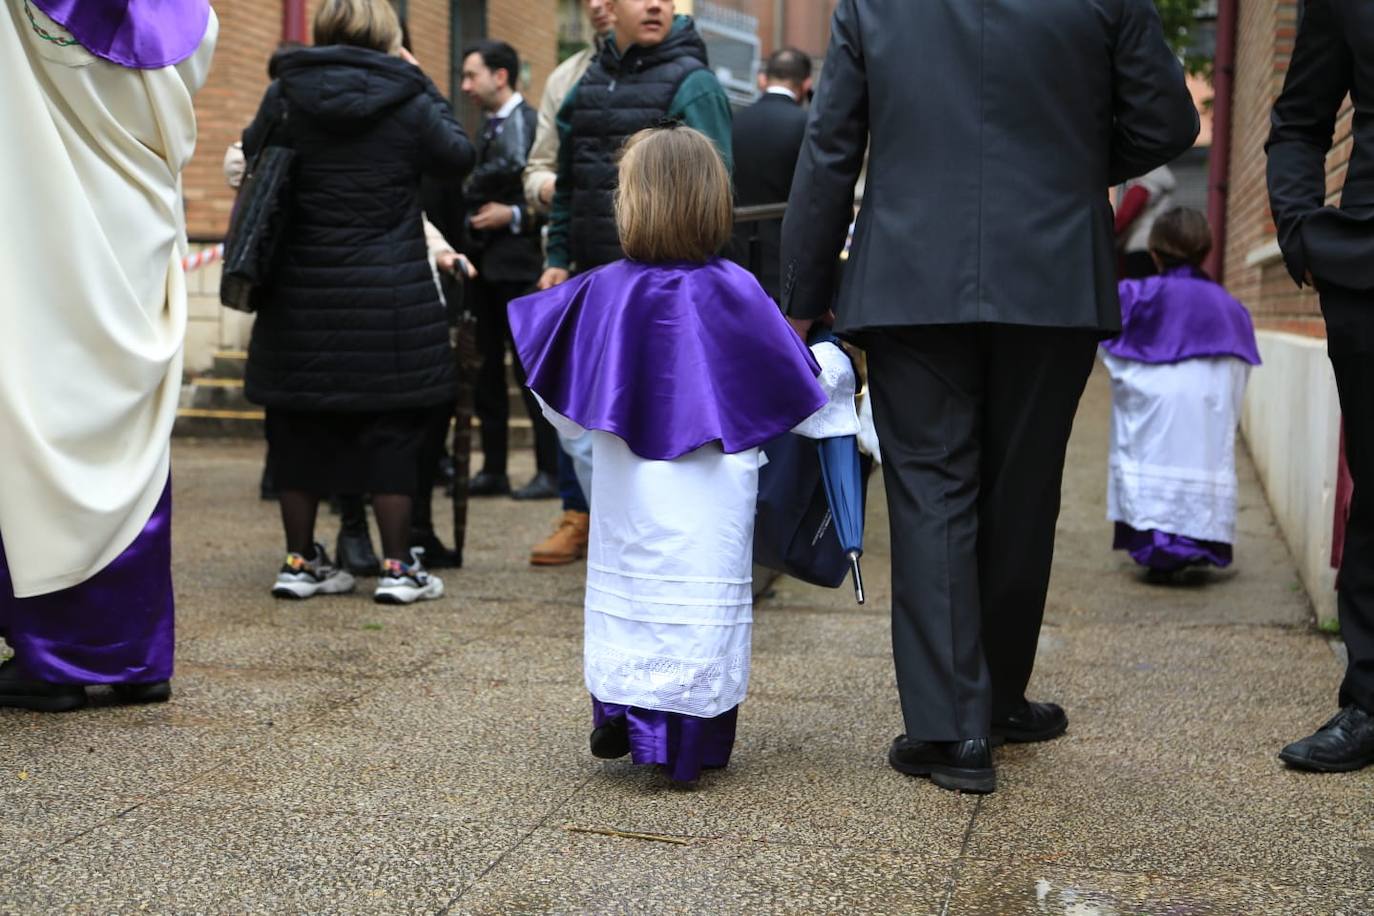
column 1172, row 465
column 92, row 295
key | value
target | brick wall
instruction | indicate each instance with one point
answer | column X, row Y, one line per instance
column 250, row 31
column 1264, row 43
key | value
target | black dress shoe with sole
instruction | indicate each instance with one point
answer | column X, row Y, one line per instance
column 962, row 766
column 1032, row 722
column 19, row 692
column 542, row 486
column 1343, row 744
column 355, row 553
column 155, row 692
column 611, row 740
column 485, row 484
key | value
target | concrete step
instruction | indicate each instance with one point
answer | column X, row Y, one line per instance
column 206, row 423
column 217, row 394
column 229, row 364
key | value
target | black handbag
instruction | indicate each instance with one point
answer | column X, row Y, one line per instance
column 259, row 223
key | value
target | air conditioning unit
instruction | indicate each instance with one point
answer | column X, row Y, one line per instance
column 732, row 48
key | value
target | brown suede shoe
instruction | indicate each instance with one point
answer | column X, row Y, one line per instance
column 567, row 544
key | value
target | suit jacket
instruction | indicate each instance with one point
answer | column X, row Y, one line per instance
column 500, row 254
column 1333, row 56
column 993, row 132
column 767, row 138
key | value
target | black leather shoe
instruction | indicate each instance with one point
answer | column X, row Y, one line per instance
column 542, row 486
column 485, row 484
column 156, row 692
column 355, row 553
column 1343, row 744
column 437, row 556
column 611, row 740
column 1032, row 722
column 19, row 692
column 964, row 766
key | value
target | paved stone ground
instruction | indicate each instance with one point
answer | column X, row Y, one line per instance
column 338, row 756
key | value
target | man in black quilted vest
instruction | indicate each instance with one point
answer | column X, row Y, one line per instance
column 654, row 68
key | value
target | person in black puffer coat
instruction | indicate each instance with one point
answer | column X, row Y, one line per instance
column 350, row 351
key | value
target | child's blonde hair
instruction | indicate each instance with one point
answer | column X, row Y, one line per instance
column 674, row 201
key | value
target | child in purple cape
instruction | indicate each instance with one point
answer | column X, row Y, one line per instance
column 1178, row 370
column 677, row 366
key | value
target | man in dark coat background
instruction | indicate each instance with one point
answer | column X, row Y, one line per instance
column 504, row 245
column 1333, row 249
column 980, row 281
column 767, row 138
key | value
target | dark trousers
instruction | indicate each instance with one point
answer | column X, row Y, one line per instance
column 1350, row 341
column 974, row 422
column 492, row 395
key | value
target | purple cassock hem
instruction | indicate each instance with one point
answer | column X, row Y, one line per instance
column 684, row 744
column 117, row 627
column 668, row 357
column 141, row 34
column 1169, row 552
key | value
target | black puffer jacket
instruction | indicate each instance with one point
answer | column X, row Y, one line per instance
column 352, row 320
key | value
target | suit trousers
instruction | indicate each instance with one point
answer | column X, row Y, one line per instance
column 974, row 421
column 492, row 395
column 1350, row 344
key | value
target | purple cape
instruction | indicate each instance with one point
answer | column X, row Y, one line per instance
column 143, row 34
column 1180, row 315
column 668, row 357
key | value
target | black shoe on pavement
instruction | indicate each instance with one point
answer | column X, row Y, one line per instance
column 611, row 740
column 19, row 692
column 1344, row 743
column 1032, row 722
column 155, row 692
column 963, row 766
column 437, row 556
column 355, row 554
column 486, row 484
column 541, row 486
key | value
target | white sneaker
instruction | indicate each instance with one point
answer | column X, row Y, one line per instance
column 302, row 578
column 406, row 583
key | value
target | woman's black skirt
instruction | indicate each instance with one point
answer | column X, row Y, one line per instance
column 348, row 452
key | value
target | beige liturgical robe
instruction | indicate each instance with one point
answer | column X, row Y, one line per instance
column 92, row 296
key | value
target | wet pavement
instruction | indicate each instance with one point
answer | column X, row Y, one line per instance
column 339, row 756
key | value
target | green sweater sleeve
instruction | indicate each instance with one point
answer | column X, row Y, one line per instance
column 701, row 104
column 560, row 213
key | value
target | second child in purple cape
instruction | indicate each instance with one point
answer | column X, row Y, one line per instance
column 1179, row 369
column 676, row 367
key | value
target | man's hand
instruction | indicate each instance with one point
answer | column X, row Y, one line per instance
column 552, row 277
column 802, row 326
column 451, row 262
column 546, row 192
column 493, row 216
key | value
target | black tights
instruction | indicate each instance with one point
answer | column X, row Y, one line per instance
column 299, row 508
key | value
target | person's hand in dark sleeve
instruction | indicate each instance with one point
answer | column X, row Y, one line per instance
column 1155, row 120
column 1303, row 125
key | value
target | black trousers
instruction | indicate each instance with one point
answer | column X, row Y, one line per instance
column 974, row 422
column 1350, row 343
column 492, row 398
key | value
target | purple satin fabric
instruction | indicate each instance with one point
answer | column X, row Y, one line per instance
column 115, row 628
column 142, row 34
column 1181, row 314
column 1169, row 552
column 667, row 357
column 684, row 744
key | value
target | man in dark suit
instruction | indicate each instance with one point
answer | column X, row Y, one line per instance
column 505, row 247
column 981, row 278
column 767, row 137
column 1333, row 249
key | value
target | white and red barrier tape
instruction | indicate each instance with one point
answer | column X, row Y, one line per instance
column 201, row 258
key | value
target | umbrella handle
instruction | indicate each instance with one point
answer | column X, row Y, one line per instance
column 858, row 577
